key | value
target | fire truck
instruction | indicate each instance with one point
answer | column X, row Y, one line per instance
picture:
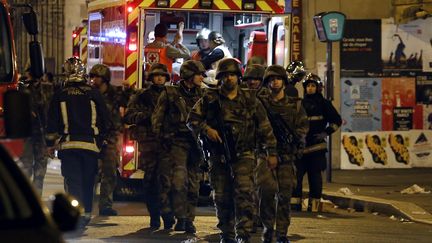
column 79, row 42
column 118, row 30
column 14, row 109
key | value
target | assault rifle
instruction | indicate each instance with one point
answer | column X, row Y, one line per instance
column 227, row 147
column 282, row 131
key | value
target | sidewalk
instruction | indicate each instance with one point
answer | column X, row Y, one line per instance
column 380, row 191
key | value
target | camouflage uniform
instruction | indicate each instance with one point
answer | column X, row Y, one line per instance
column 138, row 114
column 110, row 154
column 34, row 157
column 281, row 181
column 233, row 182
column 178, row 169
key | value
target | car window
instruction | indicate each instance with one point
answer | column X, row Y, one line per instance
column 13, row 204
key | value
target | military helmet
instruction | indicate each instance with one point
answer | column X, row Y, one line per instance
column 101, row 70
column 275, row 71
column 257, row 60
column 74, row 70
column 203, row 34
column 313, row 78
column 296, row 71
column 216, row 37
column 191, row 67
column 228, row 65
column 158, row 69
column 254, row 71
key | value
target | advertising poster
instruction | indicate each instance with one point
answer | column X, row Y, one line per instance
column 361, row 46
column 424, row 89
column 404, row 46
column 427, row 117
column 396, row 92
column 361, row 107
column 371, row 150
column 403, row 118
column 421, row 150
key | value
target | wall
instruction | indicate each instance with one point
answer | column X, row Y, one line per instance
column 314, row 51
column 75, row 12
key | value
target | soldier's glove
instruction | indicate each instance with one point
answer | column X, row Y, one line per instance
column 320, row 136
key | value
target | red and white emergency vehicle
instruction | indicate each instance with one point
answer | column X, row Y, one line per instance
column 13, row 108
column 118, row 31
column 80, row 42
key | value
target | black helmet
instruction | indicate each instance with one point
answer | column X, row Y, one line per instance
column 296, row 71
column 313, row 78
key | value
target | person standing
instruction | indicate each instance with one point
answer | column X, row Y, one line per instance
column 323, row 121
column 100, row 77
column 232, row 119
column 178, row 169
column 78, row 122
column 290, row 125
column 34, row 157
column 138, row 115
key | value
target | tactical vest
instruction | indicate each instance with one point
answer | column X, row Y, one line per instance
column 227, row 54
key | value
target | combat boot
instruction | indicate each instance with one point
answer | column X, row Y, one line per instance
column 107, row 212
column 190, row 227
column 267, row 235
column 168, row 220
column 155, row 222
column 180, row 225
column 282, row 239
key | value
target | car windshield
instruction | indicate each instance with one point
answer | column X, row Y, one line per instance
column 6, row 62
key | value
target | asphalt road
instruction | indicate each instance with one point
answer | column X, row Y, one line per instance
column 341, row 226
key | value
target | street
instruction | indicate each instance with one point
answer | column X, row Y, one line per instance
column 340, row 226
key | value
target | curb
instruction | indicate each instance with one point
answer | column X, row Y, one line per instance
column 405, row 210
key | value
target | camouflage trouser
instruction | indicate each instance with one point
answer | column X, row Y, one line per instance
column 149, row 159
column 255, row 197
column 110, row 157
column 233, row 186
column 278, row 183
column 194, row 178
column 35, row 160
column 172, row 174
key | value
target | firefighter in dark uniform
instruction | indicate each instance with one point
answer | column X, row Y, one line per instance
column 138, row 116
column 78, row 121
column 323, row 121
column 179, row 167
column 296, row 73
column 100, row 77
column 244, row 121
column 284, row 111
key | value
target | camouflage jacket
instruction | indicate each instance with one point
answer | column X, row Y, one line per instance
column 245, row 114
column 139, row 110
column 113, row 100
column 172, row 109
column 292, row 112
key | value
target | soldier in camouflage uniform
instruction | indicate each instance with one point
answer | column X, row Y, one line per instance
column 100, row 78
column 232, row 181
column 252, row 79
column 138, row 115
column 178, row 169
column 34, row 157
column 280, row 181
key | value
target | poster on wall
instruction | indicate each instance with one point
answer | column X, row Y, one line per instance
column 361, row 46
column 424, row 89
column 396, row 92
column 421, row 150
column 370, row 150
column 404, row 46
column 403, row 118
column 360, row 104
column 427, row 117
